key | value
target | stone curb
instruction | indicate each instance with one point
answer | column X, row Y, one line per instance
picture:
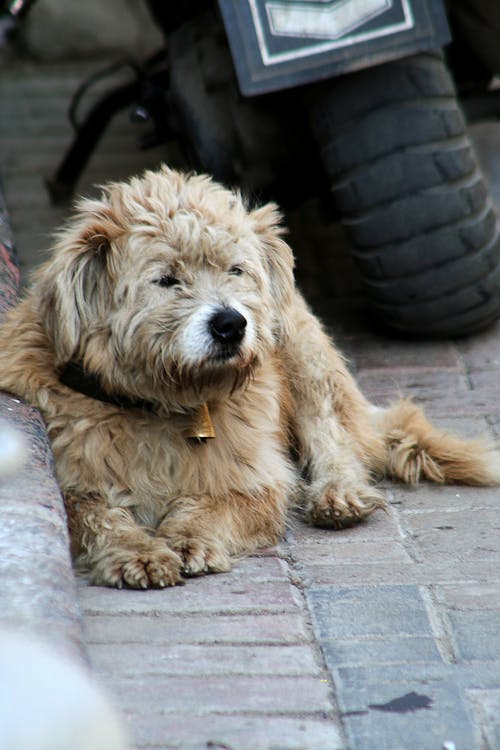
column 37, row 591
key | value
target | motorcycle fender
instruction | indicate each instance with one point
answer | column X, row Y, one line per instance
column 278, row 44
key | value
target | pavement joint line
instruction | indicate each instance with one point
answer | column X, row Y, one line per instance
column 482, row 740
column 297, row 580
column 206, row 644
column 465, row 368
column 407, row 540
column 442, row 511
column 440, row 626
column 407, row 369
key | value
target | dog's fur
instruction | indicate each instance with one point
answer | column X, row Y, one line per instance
column 130, row 292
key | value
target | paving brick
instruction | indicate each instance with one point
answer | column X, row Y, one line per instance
column 471, row 596
column 184, row 695
column 440, row 571
column 467, row 403
column 430, row 497
column 376, row 717
column 139, row 660
column 494, row 422
column 261, row 567
column 467, row 675
column 331, row 552
column 479, row 674
column 486, row 382
column 394, row 707
column 386, row 649
column 439, row 393
column 396, row 354
column 264, row 566
column 466, row 427
column 242, row 732
column 481, row 351
column 354, row 611
column 448, row 687
column 422, row 385
column 477, row 633
column 486, row 706
column 455, row 534
column 222, row 593
column 288, row 628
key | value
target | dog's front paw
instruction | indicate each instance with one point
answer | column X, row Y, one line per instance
column 335, row 507
column 156, row 567
column 199, row 556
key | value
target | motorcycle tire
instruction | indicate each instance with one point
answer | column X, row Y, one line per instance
column 410, row 193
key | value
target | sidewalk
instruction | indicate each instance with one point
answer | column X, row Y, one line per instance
column 385, row 636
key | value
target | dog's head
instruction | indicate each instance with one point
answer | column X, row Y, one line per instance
column 167, row 284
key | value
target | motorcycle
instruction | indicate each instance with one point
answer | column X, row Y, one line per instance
column 285, row 99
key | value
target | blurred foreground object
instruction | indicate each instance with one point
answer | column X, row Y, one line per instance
column 47, row 702
column 12, row 450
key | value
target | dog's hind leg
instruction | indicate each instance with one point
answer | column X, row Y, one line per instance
column 112, row 550
column 339, row 491
column 416, row 449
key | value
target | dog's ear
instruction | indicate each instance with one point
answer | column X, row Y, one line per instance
column 278, row 259
column 74, row 286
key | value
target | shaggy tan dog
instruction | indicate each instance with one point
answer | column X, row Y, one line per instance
column 178, row 369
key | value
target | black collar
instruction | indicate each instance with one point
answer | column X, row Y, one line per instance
column 74, row 376
column 78, row 379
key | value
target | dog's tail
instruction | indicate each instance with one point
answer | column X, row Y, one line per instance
column 416, row 449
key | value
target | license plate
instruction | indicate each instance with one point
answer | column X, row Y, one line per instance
column 277, row 44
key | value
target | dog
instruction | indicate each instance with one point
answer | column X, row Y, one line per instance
column 191, row 397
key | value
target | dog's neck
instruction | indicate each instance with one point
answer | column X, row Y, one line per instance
column 74, row 376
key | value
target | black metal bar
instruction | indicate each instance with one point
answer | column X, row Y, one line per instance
column 61, row 185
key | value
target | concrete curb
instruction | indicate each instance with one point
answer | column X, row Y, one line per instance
column 37, row 590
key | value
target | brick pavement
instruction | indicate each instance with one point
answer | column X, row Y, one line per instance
column 380, row 637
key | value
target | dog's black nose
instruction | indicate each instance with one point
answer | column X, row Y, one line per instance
column 228, row 326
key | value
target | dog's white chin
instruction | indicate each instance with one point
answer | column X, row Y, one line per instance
column 198, row 349
column 206, row 382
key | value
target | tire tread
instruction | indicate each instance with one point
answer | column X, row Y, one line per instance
column 413, row 201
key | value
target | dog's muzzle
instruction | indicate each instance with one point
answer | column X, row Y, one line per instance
column 227, row 328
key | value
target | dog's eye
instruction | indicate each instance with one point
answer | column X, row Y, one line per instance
column 236, row 270
column 167, row 281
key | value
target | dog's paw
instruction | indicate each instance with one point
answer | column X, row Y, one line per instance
column 336, row 507
column 199, row 556
column 151, row 568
